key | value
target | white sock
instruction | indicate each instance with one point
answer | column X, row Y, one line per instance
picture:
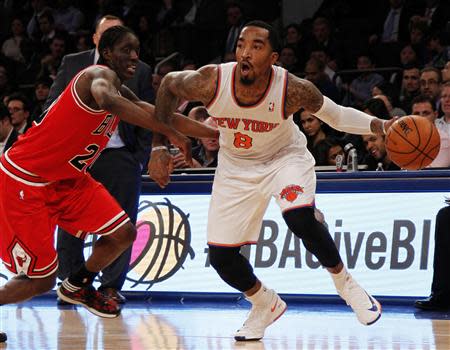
column 262, row 296
column 339, row 279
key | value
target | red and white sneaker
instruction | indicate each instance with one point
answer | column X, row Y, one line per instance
column 93, row 300
column 262, row 315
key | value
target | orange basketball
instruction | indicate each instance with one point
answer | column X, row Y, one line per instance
column 412, row 142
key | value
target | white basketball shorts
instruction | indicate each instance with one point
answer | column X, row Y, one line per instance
column 240, row 196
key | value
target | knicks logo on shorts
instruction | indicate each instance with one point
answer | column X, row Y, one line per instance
column 291, row 192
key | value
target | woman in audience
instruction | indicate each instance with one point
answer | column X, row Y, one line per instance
column 327, row 150
column 314, row 129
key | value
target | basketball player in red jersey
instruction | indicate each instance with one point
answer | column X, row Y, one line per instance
column 43, row 179
column 262, row 155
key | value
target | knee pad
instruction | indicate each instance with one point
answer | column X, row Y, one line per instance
column 314, row 235
column 223, row 257
column 232, row 267
column 301, row 221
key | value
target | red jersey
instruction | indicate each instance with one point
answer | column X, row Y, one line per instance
column 64, row 144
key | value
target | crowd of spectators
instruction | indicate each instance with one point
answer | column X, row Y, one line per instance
column 381, row 56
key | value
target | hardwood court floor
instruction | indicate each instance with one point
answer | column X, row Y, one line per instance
column 162, row 325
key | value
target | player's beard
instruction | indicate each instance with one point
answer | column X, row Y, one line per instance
column 246, row 80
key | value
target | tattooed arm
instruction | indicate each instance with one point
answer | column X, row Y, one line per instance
column 303, row 94
column 196, row 85
column 179, row 122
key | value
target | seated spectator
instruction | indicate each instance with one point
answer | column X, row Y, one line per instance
column 442, row 160
column 51, row 61
column 377, row 108
column 392, row 25
column 323, row 36
column 288, row 59
column 430, row 83
column 418, row 32
column 315, row 72
column 11, row 46
column 326, row 151
column 314, row 129
column 435, row 13
column 234, row 23
column 391, row 28
column 423, row 105
column 410, row 87
column 409, row 57
column 360, row 88
column 67, row 17
column 330, row 65
column 41, row 91
column 376, row 148
column 8, row 135
column 439, row 50
column 46, row 28
column 393, row 111
column 439, row 299
column 33, row 25
column 19, row 109
column 204, row 155
column 387, row 92
column 293, row 36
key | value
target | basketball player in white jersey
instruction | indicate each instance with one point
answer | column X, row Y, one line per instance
column 262, row 155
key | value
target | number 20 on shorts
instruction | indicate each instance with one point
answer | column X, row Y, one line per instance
column 242, row 140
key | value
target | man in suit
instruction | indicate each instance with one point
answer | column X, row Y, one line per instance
column 19, row 109
column 390, row 28
column 8, row 135
column 118, row 168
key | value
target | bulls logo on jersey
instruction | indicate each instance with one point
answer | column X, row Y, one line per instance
column 291, row 192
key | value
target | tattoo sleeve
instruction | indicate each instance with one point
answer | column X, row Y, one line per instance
column 302, row 94
column 188, row 85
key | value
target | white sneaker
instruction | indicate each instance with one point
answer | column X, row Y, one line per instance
column 366, row 307
column 261, row 316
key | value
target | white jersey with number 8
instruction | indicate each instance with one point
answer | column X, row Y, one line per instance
column 255, row 132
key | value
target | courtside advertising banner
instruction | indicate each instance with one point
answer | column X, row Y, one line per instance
column 385, row 239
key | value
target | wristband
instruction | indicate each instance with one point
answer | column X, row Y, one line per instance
column 159, row 148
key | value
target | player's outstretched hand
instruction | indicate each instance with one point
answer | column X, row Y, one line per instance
column 160, row 166
column 183, row 143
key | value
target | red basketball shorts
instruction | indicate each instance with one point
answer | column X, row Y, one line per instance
column 29, row 213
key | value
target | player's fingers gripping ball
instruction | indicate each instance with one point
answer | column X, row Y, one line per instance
column 412, row 142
